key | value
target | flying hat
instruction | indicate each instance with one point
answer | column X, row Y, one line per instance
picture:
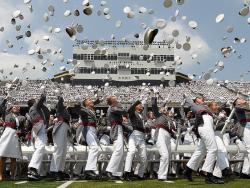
column 193, row 24
column 180, row 2
column 161, row 23
column 219, row 18
column 71, row 32
column 67, row 13
column 168, row 3
column 150, row 35
column 244, row 11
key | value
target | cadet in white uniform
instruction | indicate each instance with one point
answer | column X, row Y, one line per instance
column 207, row 144
column 89, row 123
column 114, row 119
column 163, row 136
column 39, row 115
column 137, row 139
column 10, row 146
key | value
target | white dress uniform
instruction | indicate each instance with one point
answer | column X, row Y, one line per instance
column 222, row 161
column 94, row 149
column 40, row 139
column 164, row 147
column 136, row 141
column 163, row 139
column 206, row 147
column 89, row 123
column 243, row 116
column 79, row 165
column 39, row 114
column 246, row 142
column 115, row 165
column 10, row 146
column 114, row 117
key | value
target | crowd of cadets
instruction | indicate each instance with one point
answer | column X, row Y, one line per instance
column 130, row 129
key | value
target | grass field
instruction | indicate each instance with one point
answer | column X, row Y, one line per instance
column 180, row 183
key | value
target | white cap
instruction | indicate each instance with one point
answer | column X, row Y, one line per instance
column 67, row 13
column 161, row 23
column 178, row 45
column 131, row 14
column 142, row 10
column 84, row 46
column 26, row 1
column 210, row 81
column 79, row 28
column 230, row 29
column 171, row 83
column 57, row 30
column 85, row 2
column 248, row 20
column 16, row 13
column 62, row 68
column 219, row 18
column 175, row 33
column 118, row 23
column 46, row 37
column 106, row 11
column 193, row 24
column 127, row 9
column 186, row 46
column 220, row 63
column 31, row 52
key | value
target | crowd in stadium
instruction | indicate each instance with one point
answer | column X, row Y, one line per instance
column 129, row 126
column 72, row 93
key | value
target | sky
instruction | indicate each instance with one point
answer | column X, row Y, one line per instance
column 206, row 40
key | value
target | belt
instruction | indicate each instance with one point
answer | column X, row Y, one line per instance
column 244, row 120
column 91, row 124
column 10, row 124
column 204, row 112
column 60, row 118
column 139, row 129
column 162, row 126
column 39, row 119
column 114, row 123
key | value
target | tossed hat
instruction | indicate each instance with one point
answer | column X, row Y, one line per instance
column 150, row 35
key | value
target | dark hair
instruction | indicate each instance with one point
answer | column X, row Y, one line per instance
column 31, row 102
column 84, row 102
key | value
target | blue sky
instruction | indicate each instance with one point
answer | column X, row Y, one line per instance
column 208, row 33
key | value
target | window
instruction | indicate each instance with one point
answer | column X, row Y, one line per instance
column 74, row 56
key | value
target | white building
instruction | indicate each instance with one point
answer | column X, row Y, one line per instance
column 128, row 63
